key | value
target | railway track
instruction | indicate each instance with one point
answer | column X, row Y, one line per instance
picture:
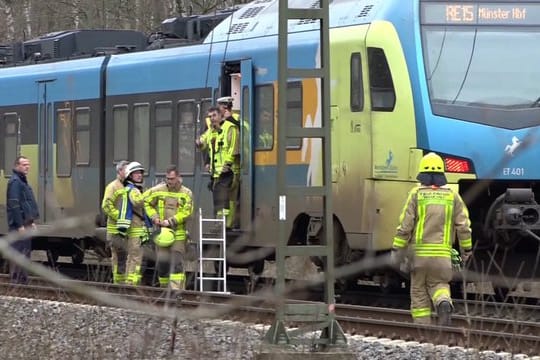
column 515, row 335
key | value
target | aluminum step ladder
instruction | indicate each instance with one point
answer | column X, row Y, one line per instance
column 212, row 233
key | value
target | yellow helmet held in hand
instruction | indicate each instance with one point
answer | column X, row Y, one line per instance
column 431, row 163
column 165, row 238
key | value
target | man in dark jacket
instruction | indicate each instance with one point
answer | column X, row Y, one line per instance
column 22, row 211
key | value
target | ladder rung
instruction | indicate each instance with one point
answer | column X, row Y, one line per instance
column 211, row 259
column 212, row 239
column 211, row 278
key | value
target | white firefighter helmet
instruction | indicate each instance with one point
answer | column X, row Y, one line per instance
column 132, row 167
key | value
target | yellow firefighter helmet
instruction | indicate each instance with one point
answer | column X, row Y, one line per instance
column 431, row 163
column 165, row 238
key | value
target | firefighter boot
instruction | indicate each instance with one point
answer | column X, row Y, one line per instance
column 444, row 313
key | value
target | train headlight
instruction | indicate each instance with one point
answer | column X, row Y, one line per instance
column 519, row 210
column 530, row 216
column 512, row 216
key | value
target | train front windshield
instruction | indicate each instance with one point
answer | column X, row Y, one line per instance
column 476, row 64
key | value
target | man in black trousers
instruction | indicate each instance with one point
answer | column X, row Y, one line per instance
column 22, row 211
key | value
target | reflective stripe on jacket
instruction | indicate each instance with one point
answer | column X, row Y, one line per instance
column 174, row 205
column 131, row 219
column 223, row 147
column 430, row 220
column 110, row 204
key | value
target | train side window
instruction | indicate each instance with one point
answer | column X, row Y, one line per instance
column 64, row 137
column 120, row 132
column 264, row 117
column 141, row 134
column 294, row 111
column 163, row 136
column 357, row 85
column 10, row 141
column 186, row 136
column 82, row 136
column 383, row 94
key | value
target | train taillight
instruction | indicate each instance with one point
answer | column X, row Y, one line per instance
column 456, row 165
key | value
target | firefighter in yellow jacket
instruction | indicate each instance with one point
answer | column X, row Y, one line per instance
column 169, row 205
column 133, row 222
column 221, row 142
column 431, row 219
column 110, row 206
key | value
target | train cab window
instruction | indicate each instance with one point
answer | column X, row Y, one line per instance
column 82, row 136
column 10, row 141
column 186, row 136
column 163, row 136
column 383, row 94
column 141, row 134
column 264, row 117
column 357, row 86
column 294, row 111
column 120, row 132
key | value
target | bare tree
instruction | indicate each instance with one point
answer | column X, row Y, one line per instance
column 9, row 30
column 25, row 19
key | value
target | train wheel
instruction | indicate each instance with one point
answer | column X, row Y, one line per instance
column 390, row 283
column 501, row 293
column 52, row 256
column 257, row 267
column 4, row 266
column 342, row 250
column 77, row 257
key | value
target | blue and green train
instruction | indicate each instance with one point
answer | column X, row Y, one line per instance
column 407, row 77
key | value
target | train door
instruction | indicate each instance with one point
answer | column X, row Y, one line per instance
column 246, row 153
column 45, row 131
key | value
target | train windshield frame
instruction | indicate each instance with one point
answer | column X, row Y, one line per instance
column 482, row 70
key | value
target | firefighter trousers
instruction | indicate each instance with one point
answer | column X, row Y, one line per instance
column 170, row 265
column 117, row 243
column 134, row 260
column 428, row 285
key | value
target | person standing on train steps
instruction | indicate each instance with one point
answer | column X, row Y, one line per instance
column 169, row 205
column 225, row 105
column 22, row 212
column 432, row 217
column 110, row 206
column 132, row 221
column 222, row 145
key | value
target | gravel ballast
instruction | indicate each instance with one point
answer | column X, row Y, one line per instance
column 36, row 329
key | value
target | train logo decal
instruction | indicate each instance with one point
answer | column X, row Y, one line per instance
column 509, row 149
column 387, row 170
column 389, row 158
